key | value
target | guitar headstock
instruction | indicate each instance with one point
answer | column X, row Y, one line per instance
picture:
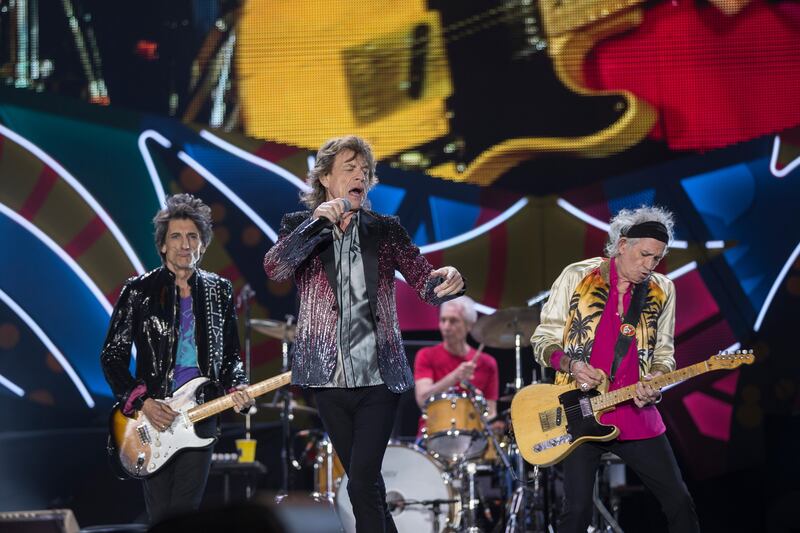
column 726, row 360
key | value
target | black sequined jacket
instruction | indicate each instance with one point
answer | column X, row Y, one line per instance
column 147, row 315
column 309, row 258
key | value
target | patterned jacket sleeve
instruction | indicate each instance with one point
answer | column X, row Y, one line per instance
column 232, row 372
column 414, row 267
column 549, row 334
column 115, row 358
column 292, row 248
column 664, row 352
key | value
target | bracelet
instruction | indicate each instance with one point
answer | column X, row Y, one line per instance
column 660, row 397
column 569, row 368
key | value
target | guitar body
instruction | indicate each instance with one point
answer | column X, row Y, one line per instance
column 141, row 450
column 550, row 421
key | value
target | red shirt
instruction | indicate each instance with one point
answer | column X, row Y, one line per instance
column 634, row 423
column 435, row 362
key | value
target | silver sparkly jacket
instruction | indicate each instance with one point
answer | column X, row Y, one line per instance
column 385, row 247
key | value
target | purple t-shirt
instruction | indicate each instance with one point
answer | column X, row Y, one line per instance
column 186, row 357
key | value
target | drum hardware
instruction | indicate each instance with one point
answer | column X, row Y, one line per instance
column 285, row 332
column 453, row 429
column 275, row 404
column 435, row 505
column 328, row 471
column 610, row 475
column 243, row 302
column 508, row 328
column 410, row 471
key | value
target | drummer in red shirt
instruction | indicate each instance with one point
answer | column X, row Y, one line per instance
column 444, row 366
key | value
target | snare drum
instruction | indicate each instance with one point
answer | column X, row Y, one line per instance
column 453, row 428
column 410, row 475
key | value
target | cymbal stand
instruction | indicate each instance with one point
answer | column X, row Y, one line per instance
column 517, row 357
column 244, row 301
column 285, row 394
column 516, row 509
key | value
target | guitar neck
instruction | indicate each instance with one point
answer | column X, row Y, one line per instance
column 610, row 399
column 203, row 411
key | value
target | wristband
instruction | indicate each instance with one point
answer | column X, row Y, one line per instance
column 569, row 368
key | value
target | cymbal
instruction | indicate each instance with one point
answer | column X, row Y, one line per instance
column 499, row 330
column 294, row 406
column 274, row 328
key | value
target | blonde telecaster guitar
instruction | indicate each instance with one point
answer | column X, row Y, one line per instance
column 140, row 450
column 550, row 421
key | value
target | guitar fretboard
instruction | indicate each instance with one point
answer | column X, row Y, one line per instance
column 609, row 399
column 213, row 407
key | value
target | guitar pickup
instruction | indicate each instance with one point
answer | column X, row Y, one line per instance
column 558, row 416
column 144, row 434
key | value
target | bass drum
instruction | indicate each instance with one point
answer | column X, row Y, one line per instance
column 410, row 475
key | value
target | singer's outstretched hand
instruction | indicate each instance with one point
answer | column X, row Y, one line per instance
column 452, row 284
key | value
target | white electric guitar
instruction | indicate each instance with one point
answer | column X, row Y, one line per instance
column 140, row 450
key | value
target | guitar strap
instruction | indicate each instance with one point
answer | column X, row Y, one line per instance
column 628, row 328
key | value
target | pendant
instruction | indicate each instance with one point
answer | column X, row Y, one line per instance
column 627, row 329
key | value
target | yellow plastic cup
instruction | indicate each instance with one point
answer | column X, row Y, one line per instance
column 247, row 450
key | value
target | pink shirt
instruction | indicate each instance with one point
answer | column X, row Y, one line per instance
column 634, row 423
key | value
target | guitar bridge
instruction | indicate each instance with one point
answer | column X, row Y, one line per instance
column 551, row 418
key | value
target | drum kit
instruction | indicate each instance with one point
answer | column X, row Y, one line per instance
column 463, row 474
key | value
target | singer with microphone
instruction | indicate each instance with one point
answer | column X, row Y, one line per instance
column 348, row 348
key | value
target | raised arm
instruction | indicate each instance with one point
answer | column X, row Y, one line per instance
column 419, row 273
column 294, row 245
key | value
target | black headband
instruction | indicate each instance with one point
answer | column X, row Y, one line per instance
column 651, row 228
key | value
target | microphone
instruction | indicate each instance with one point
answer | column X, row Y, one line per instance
column 322, row 223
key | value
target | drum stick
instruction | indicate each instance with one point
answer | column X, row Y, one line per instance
column 477, row 354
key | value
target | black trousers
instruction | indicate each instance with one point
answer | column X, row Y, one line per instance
column 651, row 459
column 359, row 422
column 178, row 487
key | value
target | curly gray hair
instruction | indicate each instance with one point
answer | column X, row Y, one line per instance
column 627, row 218
column 324, row 165
column 467, row 305
column 187, row 207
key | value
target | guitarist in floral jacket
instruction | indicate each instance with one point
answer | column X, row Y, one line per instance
column 617, row 315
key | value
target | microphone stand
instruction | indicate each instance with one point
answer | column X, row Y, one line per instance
column 244, row 295
column 286, row 415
